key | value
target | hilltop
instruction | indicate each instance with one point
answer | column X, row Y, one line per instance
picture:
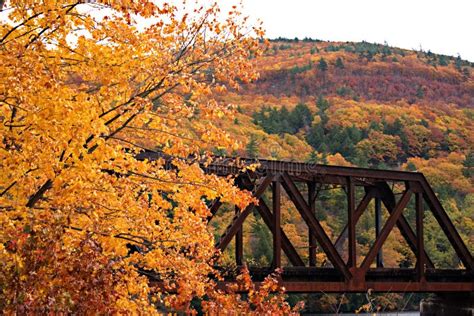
column 420, row 102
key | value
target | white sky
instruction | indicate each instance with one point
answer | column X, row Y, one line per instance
column 445, row 27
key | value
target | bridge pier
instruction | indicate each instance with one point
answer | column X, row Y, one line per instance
column 459, row 304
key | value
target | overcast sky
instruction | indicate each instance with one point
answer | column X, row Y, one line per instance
column 445, row 27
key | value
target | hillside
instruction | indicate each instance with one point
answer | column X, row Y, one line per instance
column 419, row 101
column 365, row 105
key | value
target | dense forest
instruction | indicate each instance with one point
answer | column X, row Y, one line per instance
column 359, row 104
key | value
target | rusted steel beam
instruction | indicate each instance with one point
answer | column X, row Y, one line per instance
column 276, row 200
column 446, row 225
column 286, row 244
column 315, row 226
column 229, row 165
column 238, row 220
column 343, row 287
column 214, row 208
column 239, row 243
column 385, row 287
column 224, row 166
column 267, row 217
column 311, row 238
column 351, row 221
column 388, row 200
column 391, row 221
column 358, row 213
column 378, row 228
column 420, row 255
column 312, row 279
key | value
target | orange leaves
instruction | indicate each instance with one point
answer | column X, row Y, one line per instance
column 80, row 96
column 265, row 298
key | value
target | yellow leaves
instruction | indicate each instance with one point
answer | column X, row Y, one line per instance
column 443, row 171
column 261, row 299
column 83, row 104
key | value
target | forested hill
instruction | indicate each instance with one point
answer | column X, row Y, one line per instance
column 367, row 105
column 364, row 71
column 372, row 104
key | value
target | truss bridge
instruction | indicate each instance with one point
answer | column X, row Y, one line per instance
column 396, row 198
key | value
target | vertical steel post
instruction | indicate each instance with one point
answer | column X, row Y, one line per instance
column 311, row 236
column 276, row 195
column 239, row 243
column 420, row 255
column 352, row 260
column 378, row 227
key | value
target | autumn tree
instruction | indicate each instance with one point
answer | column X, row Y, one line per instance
column 379, row 147
column 85, row 87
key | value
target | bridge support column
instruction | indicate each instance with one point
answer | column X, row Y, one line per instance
column 276, row 188
column 459, row 304
column 239, row 243
column 351, row 222
column 311, row 236
column 378, row 228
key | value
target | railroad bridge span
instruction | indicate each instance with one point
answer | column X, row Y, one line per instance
column 398, row 192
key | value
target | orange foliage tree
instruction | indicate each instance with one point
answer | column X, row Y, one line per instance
column 84, row 87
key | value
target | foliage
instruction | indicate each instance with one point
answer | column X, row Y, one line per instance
column 252, row 147
column 322, row 65
column 83, row 89
column 260, row 301
column 279, row 121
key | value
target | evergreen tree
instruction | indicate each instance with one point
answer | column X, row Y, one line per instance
column 324, row 149
column 220, row 152
column 322, row 104
column 458, row 62
column 315, row 136
column 468, row 165
column 339, row 63
column 251, row 149
column 442, row 60
column 420, row 92
column 300, row 117
column 313, row 157
column 322, row 65
column 394, row 129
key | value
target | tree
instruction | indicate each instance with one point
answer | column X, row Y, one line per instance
column 300, row 117
column 420, row 92
column 379, row 148
column 339, row 63
column 458, row 62
column 262, row 244
column 251, row 149
column 82, row 91
column 468, row 165
column 442, row 60
column 322, row 65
